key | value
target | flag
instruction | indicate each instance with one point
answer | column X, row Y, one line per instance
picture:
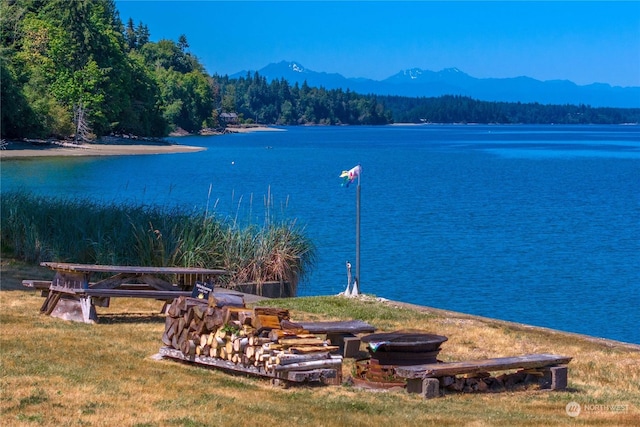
column 349, row 176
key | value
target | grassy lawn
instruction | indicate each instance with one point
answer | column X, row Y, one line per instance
column 59, row 373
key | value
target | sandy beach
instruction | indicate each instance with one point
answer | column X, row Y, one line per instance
column 108, row 146
column 27, row 150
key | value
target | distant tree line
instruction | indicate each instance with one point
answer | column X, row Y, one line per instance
column 462, row 109
column 73, row 68
column 278, row 102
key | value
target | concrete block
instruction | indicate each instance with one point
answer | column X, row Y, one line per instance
column 559, row 375
column 351, row 346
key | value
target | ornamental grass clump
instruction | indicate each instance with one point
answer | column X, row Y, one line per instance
column 277, row 252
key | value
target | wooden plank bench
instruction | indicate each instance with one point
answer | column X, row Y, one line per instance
column 132, row 293
column 342, row 333
column 426, row 379
column 133, row 290
column 38, row 285
column 44, row 285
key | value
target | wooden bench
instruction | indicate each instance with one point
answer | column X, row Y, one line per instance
column 36, row 284
column 427, row 379
column 133, row 290
column 341, row 333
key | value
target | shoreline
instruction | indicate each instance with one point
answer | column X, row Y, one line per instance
column 110, row 146
column 608, row 342
column 26, row 150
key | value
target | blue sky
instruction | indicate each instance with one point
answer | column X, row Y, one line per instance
column 585, row 42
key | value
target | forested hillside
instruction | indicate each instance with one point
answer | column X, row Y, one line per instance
column 72, row 68
column 279, row 103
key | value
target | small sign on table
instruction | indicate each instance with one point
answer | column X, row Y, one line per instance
column 202, row 290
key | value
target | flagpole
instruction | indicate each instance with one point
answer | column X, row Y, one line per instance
column 358, row 234
column 348, row 177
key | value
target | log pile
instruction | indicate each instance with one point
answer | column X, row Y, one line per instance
column 265, row 338
column 484, row 382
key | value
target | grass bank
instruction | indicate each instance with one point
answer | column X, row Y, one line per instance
column 58, row 373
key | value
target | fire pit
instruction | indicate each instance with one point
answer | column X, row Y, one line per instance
column 405, row 347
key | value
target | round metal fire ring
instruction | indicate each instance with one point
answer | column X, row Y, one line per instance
column 404, row 347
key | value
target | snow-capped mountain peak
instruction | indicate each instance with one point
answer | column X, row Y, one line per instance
column 413, row 73
column 417, row 82
column 296, row 67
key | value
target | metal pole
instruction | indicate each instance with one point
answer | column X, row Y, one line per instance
column 358, row 234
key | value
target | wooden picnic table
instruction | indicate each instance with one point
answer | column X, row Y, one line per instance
column 73, row 282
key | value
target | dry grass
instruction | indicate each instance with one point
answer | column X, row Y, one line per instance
column 58, row 373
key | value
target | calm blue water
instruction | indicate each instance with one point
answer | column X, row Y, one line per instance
column 534, row 224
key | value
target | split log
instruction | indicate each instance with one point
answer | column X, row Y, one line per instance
column 278, row 334
column 240, row 344
column 262, row 322
column 222, row 352
column 245, row 317
column 313, row 364
column 217, row 341
column 302, row 342
column 271, row 346
column 165, row 339
column 173, row 310
column 258, row 341
column 198, row 311
column 233, row 314
column 287, row 359
column 312, row 349
column 206, row 349
column 282, row 314
column 188, row 348
column 226, row 300
column 287, row 324
column 214, row 319
column 250, row 352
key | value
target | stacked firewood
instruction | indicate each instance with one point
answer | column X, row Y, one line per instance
column 484, row 382
column 223, row 328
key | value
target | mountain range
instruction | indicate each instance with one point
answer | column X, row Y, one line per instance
column 417, row 82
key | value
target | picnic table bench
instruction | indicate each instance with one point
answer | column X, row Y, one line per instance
column 426, row 379
column 72, row 285
column 342, row 333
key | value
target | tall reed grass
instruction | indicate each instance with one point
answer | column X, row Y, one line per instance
column 37, row 228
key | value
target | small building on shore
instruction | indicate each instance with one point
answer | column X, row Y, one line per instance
column 229, row 118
